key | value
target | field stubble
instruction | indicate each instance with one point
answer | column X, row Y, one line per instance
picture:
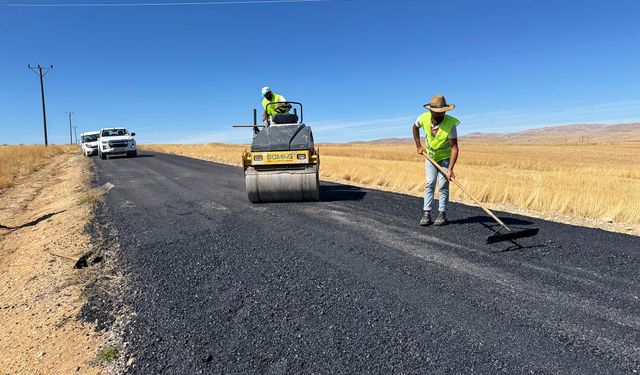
column 594, row 181
column 17, row 161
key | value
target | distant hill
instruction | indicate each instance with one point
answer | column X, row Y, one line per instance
column 386, row 141
column 579, row 133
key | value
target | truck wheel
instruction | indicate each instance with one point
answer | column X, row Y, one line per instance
column 132, row 154
column 103, row 156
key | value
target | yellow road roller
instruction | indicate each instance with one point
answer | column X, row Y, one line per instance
column 282, row 164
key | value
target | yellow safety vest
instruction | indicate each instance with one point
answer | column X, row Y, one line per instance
column 438, row 145
column 272, row 110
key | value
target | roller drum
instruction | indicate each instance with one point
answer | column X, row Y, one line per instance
column 282, row 185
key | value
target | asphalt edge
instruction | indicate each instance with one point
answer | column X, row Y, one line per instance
column 104, row 295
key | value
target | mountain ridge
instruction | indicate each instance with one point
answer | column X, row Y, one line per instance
column 573, row 133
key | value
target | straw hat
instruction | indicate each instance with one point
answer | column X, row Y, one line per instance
column 439, row 104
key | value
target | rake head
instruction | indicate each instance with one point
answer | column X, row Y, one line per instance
column 512, row 235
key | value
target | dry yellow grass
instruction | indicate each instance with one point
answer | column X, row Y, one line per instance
column 16, row 161
column 596, row 181
column 219, row 152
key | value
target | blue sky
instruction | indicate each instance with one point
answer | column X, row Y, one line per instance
column 362, row 68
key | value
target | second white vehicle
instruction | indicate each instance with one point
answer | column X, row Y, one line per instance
column 89, row 143
column 116, row 141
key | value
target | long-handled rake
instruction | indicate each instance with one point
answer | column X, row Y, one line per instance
column 496, row 236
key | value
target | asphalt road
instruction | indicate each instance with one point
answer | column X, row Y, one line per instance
column 352, row 284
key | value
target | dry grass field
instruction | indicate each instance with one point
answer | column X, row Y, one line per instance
column 16, row 161
column 594, row 181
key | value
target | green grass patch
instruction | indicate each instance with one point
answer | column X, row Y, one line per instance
column 106, row 355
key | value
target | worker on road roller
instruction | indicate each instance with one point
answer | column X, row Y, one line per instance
column 282, row 164
column 270, row 97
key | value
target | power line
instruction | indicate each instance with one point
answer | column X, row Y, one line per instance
column 224, row 2
column 44, row 111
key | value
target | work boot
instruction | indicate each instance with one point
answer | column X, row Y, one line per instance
column 441, row 219
column 426, row 219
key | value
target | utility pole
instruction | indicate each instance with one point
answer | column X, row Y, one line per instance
column 44, row 111
column 70, row 135
column 75, row 131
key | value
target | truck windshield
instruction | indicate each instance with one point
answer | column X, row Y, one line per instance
column 89, row 138
column 114, row 132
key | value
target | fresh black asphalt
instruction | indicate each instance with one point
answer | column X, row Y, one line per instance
column 352, row 284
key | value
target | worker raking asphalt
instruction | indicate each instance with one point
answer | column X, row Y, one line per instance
column 348, row 285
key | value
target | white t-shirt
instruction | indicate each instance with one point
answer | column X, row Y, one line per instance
column 453, row 133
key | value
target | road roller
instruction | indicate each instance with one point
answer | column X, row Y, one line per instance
column 282, row 164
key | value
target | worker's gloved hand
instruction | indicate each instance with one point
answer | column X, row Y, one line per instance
column 420, row 150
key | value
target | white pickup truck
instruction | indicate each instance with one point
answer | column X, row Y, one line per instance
column 116, row 141
column 89, row 143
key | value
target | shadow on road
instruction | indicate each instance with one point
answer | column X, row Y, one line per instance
column 490, row 224
column 333, row 193
column 488, row 219
column 516, row 246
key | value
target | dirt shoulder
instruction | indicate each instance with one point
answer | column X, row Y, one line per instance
column 42, row 234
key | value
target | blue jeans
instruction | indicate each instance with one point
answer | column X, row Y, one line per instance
column 443, row 186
